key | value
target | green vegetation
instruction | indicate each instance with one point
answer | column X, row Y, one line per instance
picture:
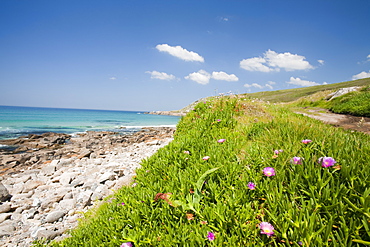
column 290, row 95
column 181, row 197
column 356, row 103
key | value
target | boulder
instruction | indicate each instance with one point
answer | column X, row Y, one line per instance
column 4, row 193
column 54, row 216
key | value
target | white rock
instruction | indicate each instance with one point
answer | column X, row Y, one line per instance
column 54, row 216
column 107, row 176
column 4, row 216
column 5, row 207
column 67, row 204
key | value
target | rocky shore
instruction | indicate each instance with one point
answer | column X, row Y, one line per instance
column 47, row 181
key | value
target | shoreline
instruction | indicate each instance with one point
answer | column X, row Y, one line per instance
column 55, row 177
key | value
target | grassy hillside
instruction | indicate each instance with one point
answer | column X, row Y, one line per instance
column 294, row 94
column 242, row 173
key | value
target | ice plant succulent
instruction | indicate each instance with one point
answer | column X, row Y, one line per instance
column 206, row 158
column 269, row 171
column 266, row 228
column 278, row 151
column 221, row 140
column 306, row 141
column 326, row 161
column 297, row 160
column 211, row 236
column 127, row 244
column 251, row 186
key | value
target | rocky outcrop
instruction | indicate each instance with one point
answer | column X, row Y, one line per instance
column 46, row 197
column 341, row 92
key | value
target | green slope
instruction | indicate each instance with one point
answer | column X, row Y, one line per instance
column 289, row 95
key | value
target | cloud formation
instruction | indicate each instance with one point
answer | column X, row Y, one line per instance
column 368, row 57
column 273, row 61
column 222, row 76
column 361, row 75
column 321, row 62
column 160, row 75
column 179, row 52
column 300, row 82
column 201, row 77
column 253, row 85
column 113, row 78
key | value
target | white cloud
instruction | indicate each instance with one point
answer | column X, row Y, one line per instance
column 160, row 75
column 271, row 82
column 273, row 61
column 368, row 57
column 269, row 86
column 201, row 77
column 113, row 78
column 222, row 76
column 287, row 61
column 361, row 75
column 255, row 64
column 253, row 85
column 321, row 62
column 179, row 52
column 300, row 82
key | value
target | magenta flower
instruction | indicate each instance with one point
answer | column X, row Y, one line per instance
column 278, row 151
column 218, row 120
column 221, row 140
column 266, row 228
column 127, row 244
column 206, row 158
column 251, row 186
column 296, row 160
column 326, row 161
column 122, row 203
column 211, row 236
column 306, row 141
column 269, row 171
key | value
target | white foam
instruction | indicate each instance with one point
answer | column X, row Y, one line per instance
column 149, row 126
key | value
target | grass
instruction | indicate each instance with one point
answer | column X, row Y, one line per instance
column 290, row 95
column 179, row 198
column 356, row 103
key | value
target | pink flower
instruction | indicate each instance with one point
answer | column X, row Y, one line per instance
column 305, row 141
column 211, row 236
column 127, row 244
column 221, row 140
column 206, row 158
column 269, row 171
column 251, row 186
column 326, row 161
column 296, row 160
column 186, row 152
column 266, row 228
column 278, row 151
column 218, row 120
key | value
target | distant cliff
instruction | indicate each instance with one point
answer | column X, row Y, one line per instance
column 181, row 112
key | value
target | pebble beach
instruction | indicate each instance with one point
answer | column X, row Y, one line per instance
column 48, row 181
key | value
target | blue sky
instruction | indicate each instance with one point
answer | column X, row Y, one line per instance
column 163, row 55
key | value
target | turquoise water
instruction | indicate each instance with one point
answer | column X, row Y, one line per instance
column 19, row 121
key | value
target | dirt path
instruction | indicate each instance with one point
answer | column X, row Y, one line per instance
column 361, row 124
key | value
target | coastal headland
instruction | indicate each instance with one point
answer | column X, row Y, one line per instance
column 48, row 180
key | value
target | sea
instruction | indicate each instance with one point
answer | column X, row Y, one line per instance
column 16, row 121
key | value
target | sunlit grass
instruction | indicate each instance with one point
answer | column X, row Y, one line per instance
column 181, row 199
